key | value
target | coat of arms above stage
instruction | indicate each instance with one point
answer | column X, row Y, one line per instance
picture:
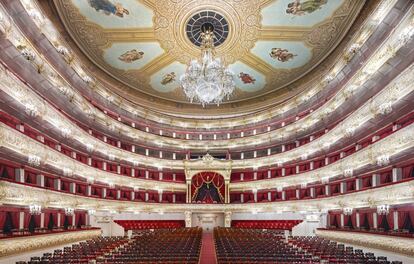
column 207, row 180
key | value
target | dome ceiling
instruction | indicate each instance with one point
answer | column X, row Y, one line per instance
column 146, row 44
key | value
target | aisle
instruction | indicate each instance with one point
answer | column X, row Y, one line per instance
column 208, row 251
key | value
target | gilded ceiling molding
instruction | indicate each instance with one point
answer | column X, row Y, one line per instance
column 367, row 29
column 395, row 244
column 387, row 51
column 170, row 18
column 23, row 195
column 20, row 245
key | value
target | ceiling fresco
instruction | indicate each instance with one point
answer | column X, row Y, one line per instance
column 146, row 44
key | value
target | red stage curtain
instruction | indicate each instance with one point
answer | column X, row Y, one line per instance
column 390, row 219
column 46, row 218
column 2, row 219
column 380, row 220
column 26, row 219
column 338, row 219
column 15, row 216
column 353, row 219
column 370, row 218
column 402, row 215
column 200, row 180
column 37, row 219
column 411, row 214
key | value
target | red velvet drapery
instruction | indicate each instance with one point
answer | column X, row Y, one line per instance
column 215, row 179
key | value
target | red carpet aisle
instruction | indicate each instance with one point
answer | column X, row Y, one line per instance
column 208, row 251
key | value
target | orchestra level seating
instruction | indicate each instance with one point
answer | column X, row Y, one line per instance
column 237, row 246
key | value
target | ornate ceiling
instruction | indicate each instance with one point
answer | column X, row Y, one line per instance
column 146, row 44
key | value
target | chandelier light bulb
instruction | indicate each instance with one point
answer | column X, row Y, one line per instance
column 207, row 80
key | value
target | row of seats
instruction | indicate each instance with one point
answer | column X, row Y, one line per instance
column 150, row 224
column 266, row 224
column 166, row 246
column 334, row 252
column 236, row 246
column 239, row 246
column 82, row 253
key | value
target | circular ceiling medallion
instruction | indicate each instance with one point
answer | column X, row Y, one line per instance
column 207, row 20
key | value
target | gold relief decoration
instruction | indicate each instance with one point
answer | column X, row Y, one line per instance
column 23, row 195
column 169, row 30
column 395, row 244
column 367, row 30
column 244, row 18
column 22, row 245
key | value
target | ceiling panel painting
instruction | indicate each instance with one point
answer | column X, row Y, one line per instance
column 247, row 79
column 115, row 14
column 300, row 13
column 132, row 56
column 143, row 46
column 283, row 54
column 167, row 79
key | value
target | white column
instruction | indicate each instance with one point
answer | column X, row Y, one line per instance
column 327, row 190
column 227, row 219
column 42, row 220
column 375, row 180
column 19, row 172
column 396, row 174
column 40, row 180
column 312, row 192
column 358, row 184
column 342, row 220
column 374, row 215
column 89, row 190
column 21, row 220
column 255, row 195
column 395, row 220
column 72, row 187
column 188, row 216
column 160, row 196
column 342, row 187
column 358, row 224
column 57, row 184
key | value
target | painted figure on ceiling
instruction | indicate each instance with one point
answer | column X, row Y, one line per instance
column 131, row 56
column 282, row 55
column 300, row 8
column 168, row 78
column 246, row 78
column 108, row 7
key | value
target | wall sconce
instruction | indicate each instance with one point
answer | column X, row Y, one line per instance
column 69, row 211
column 347, row 210
column 383, row 209
column 35, row 209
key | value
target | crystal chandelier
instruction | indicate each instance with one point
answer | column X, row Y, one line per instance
column 207, row 80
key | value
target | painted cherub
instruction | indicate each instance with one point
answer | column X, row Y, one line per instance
column 299, row 8
column 282, row 55
column 131, row 56
column 108, row 7
column 168, row 78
